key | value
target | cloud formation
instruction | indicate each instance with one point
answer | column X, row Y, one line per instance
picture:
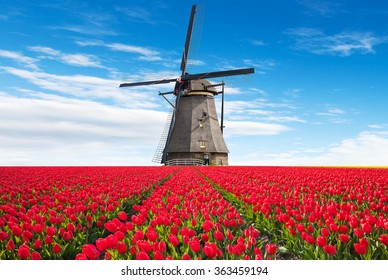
column 342, row 44
column 26, row 61
column 77, row 59
column 42, row 129
column 145, row 53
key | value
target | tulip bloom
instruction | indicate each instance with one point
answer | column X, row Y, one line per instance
column 330, row 249
column 360, row 248
column 271, row 249
column 207, row 225
column 122, row 216
column 152, row 235
column 173, row 239
column 121, row 247
column 91, row 251
column 344, row 238
column 218, row 235
column 321, row 241
column 210, row 250
column 325, row 232
column 24, row 252
column 57, row 249
column 384, row 239
column 195, row 246
column 10, row 245
column 142, row 256
column 81, row 256
column 36, row 256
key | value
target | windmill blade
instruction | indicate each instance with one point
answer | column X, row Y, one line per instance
column 188, row 39
column 218, row 74
column 147, row 83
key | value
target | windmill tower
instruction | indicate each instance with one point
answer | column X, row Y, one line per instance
column 193, row 134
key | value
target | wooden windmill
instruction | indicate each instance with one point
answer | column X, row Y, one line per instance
column 193, row 134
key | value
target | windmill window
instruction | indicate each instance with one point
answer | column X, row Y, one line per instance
column 202, row 144
column 204, row 114
column 200, row 121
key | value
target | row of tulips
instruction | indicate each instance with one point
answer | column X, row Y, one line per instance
column 185, row 218
column 51, row 212
column 313, row 213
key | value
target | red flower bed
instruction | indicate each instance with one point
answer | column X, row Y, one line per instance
column 193, row 213
column 185, row 218
column 314, row 213
column 50, row 212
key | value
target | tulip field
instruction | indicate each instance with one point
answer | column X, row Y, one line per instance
column 193, row 213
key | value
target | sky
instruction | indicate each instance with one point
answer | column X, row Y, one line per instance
column 318, row 95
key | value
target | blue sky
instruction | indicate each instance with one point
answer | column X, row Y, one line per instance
column 318, row 97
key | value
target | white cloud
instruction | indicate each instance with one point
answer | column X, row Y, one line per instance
column 78, row 59
column 367, row 149
column 42, row 129
column 334, row 115
column 322, row 8
column 81, row 86
column 145, row 53
column 244, row 128
column 342, row 44
column 24, row 60
column 137, row 14
column 256, row 42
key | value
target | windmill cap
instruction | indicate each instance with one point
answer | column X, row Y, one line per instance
column 202, row 85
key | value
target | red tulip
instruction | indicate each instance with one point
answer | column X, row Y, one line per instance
column 17, row 231
column 48, row 240
column 207, row 225
column 186, row 257
column 158, row 255
column 384, row 239
column 121, row 247
column 142, row 256
column 152, row 236
column 344, row 238
column 173, row 239
column 51, row 231
column 360, row 248
column 325, row 232
column 321, row 241
column 57, row 249
column 367, row 228
column 219, row 236
column 36, row 256
column 195, row 246
column 24, row 252
column 204, row 237
column 210, row 250
column 330, row 249
column 38, row 228
column 122, row 216
column 91, row 251
column 111, row 226
column 81, row 256
column 101, row 244
column 3, row 235
column 271, row 249
column 358, row 232
column 10, row 245
column 37, row 244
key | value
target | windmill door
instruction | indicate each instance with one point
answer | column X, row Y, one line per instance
column 206, row 159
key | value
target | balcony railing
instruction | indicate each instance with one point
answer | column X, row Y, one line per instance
column 185, row 161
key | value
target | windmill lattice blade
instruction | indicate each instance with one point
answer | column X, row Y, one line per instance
column 217, row 74
column 188, row 39
column 147, row 83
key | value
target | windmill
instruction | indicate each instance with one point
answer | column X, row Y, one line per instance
column 193, row 134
